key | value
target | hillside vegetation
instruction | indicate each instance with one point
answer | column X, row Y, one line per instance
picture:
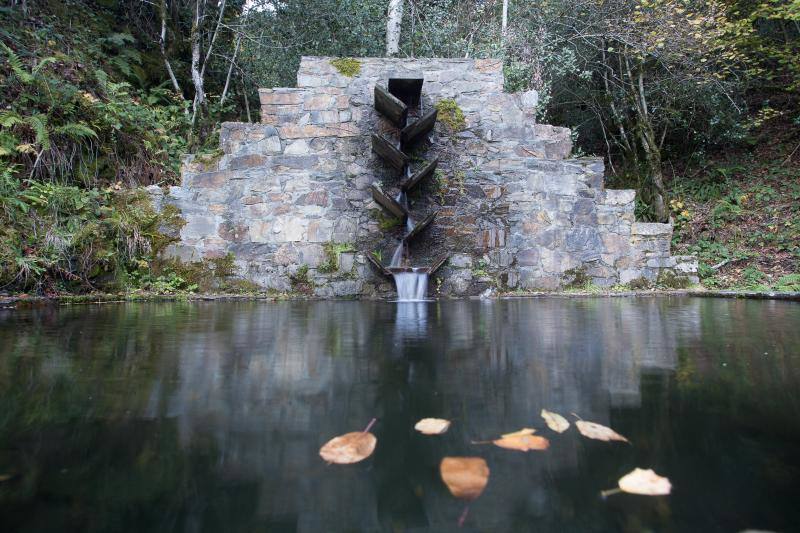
column 692, row 103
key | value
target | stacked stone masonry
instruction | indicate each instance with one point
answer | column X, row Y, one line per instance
column 515, row 212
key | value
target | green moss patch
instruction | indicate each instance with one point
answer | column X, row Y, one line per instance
column 450, row 115
column 347, row 66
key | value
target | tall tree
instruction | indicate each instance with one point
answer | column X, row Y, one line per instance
column 394, row 21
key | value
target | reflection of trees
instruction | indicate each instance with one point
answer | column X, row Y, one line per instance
column 210, row 416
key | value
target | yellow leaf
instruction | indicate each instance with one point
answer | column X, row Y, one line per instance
column 349, row 448
column 596, row 431
column 522, row 443
column 645, row 482
column 555, row 421
column 432, row 426
column 523, row 431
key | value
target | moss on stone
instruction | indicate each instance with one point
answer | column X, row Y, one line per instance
column 347, row 66
column 576, row 278
column 300, row 281
column 667, row 279
column 639, row 283
column 450, row 115
column 332, row 251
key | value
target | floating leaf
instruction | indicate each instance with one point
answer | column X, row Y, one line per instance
column 432, row 426
column 595, row 431
column 522, row 443
column 523, row 431
column 555, row 421
column 465, row 477
column 6, row 477
column 645, row 482
column 349, row 448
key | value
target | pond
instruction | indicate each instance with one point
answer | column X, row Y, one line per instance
column 209, row 416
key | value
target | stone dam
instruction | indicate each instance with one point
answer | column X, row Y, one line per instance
column 510, row 209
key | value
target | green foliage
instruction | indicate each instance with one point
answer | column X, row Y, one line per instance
column 300, row 281
column 448, row 183
column 347, row 66
column 450, row 115
column 332, row 251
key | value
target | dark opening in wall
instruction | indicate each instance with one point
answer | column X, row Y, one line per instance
column 407, row 90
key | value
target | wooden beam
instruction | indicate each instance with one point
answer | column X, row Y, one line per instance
column 438, row 262
column 417, row 131
column 420, row 175
column 377, row 264
column 390, row 107
column 388, row 203
column 388, row 152
column 420, row 227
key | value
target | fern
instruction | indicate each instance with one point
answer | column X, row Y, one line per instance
column 76, row 131
column 16, row 65
column 43, row 63
column 9, row 118
column 39, row 124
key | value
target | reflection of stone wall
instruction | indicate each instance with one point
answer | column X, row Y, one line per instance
column 517, row 212
column 268, row 384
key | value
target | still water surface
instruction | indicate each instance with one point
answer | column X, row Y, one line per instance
column 209, row 416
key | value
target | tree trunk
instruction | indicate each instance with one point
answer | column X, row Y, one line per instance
column 393, row 22
column 197, row 78
column 162, row 44
column 504, row 25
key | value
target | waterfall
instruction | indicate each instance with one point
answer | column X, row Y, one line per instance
column 411, row 286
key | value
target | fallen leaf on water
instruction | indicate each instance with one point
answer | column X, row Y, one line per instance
column 350, row 447
column 523, row 431
column 645, row 482
column 595, row 431
column 522, row 443
column 465, row 477
column 432, row 426
column 555, row 421
column 5, row 477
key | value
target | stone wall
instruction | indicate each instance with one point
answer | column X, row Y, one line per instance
column 514, row 211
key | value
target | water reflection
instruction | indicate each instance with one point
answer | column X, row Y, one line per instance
column 208, row 417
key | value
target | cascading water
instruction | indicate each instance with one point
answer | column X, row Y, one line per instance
column 394, row 104
column 411, row 286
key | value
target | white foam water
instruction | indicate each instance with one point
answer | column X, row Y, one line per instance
column 411, row 286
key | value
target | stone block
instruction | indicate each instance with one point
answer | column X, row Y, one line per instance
column 651, row 229
column 320, row 230
column 460, row 261
column 619, row 197
column 319, row 102
column 283, row 97
column 199, row 227
column 528, row 257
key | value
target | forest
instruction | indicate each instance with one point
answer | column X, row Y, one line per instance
column 693, row 103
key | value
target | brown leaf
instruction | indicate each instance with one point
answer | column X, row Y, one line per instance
column 432, row 426
column 595, row 431
column 465, row 477
column 523, row 443
column 349, row 448
column 645, row 482
column 555, row 421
